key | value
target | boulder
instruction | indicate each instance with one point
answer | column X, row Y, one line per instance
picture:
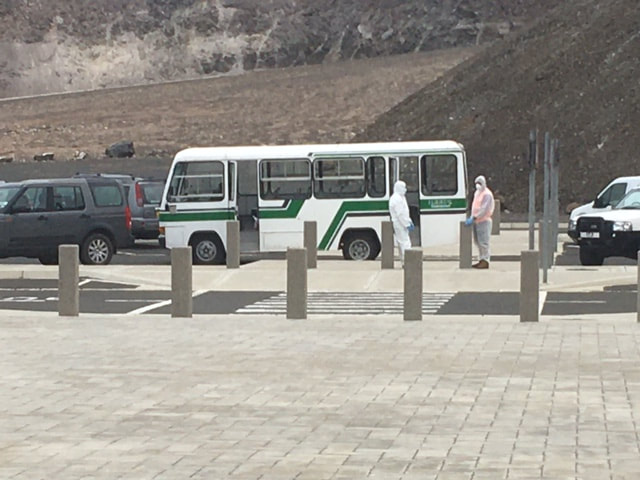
column 121, row 150
column 44, row 157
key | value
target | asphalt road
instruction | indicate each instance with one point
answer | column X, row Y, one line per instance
column 124, row 299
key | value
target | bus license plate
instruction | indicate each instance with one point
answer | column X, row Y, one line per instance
column 589, row 234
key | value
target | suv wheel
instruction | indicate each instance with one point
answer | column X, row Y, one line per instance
column 590, row 256
column 97, row 249
column 207, row 250
column 48, row 259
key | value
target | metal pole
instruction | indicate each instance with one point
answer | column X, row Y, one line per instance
column 556, row 193
column 533, row 152
column 545, row 209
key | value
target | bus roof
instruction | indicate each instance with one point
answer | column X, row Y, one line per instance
column 297, row 151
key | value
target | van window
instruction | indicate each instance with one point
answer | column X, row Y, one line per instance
column 285, row 179
column 439, row 175
column 68, row 198
column 339, row 177
column 611, row 196
column 197, row 182
column 106, row 195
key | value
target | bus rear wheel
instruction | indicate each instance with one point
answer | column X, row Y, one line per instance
column 207, row 250
column 361, row 246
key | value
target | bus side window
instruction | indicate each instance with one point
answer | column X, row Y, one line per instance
column 376, row 178
column 339, row 177
column 285, row 179
column 439, row 175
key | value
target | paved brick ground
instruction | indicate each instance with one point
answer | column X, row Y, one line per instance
column 327, row 398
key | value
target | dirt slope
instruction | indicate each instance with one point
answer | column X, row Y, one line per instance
column 574, row 74
column 318, row 103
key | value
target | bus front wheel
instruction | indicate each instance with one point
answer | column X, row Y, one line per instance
column 207, row 250
column 361, row 246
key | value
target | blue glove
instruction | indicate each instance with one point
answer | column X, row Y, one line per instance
column 469, row 221
column 411, row 227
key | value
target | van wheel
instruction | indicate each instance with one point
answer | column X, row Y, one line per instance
column 361, row 246
column 590, row 256
column 207, row 250
column 97, row 249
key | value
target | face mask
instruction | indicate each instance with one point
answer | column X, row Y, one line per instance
column 478, row 186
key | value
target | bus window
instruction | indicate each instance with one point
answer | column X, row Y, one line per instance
column 197, row 182
column 285, row 179
column 439, row 175
column 376, row 178
column 339, row 177
column 408, row 168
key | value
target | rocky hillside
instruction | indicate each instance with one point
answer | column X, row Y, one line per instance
column 64, row 45
column 574, row 73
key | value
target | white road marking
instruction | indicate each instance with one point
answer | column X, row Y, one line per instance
column 379, row 303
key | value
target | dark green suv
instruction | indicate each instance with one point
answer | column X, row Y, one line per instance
column 39, row 215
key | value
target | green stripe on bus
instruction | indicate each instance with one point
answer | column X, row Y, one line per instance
column 197, row 216
column 443, row 203
column 287, row 211
column 347, row 208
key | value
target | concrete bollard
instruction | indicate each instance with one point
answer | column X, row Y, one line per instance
column 413, row 284
column 296, row 283
column 311, row 243
column 68, row 279
column 181, row 282
column 495, row 224
column 387, row 245
column 233, row 244
column 466, row 253
column 529, row 285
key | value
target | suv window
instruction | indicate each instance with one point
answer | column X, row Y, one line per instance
column 68, row 198
column 152, row 192
column 6, row 194
column 106, row 195
column 32, row 199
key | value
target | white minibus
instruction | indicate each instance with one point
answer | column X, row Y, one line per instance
column 344, row 188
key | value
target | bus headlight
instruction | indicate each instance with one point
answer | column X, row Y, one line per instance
column 572, row 224
column 622, row 226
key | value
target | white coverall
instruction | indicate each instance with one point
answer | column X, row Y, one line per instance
column 482, row 210
column 399, row 211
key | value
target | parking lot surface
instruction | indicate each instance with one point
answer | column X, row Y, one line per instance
column 251, row 395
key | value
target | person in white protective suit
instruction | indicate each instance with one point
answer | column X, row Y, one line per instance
column 481, row 212
column 399, row 211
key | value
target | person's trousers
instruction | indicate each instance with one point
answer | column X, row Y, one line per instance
column 401, row 237
column 482, row 237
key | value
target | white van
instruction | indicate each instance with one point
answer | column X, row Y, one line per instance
column 608, row 197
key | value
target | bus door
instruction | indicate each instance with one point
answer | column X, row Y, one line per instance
column 243, row 196
column 406, row 168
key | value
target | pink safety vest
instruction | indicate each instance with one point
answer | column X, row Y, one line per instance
column 477, row 203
